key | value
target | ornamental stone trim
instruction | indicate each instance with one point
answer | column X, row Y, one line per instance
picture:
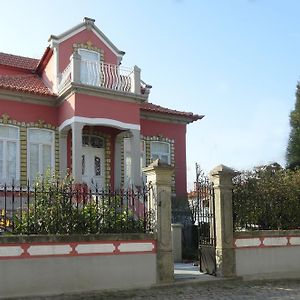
column 89, row 46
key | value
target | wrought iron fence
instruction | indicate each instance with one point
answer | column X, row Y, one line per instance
column 73, row 209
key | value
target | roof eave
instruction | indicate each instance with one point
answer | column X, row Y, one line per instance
column 169, row 117
column 87, row 23
column 44, row 60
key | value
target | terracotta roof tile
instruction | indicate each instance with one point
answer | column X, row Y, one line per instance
column 17, row 61
column 146, row 106
column 29, row 83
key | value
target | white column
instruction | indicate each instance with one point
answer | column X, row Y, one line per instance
column 77, row 151
column 136, row 80
column 135, row 143
column 63, row 153
column 75, row 59
column 118, row 160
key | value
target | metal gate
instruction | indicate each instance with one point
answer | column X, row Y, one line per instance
column 206, row 226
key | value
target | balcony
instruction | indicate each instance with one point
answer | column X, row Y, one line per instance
column 103, row 75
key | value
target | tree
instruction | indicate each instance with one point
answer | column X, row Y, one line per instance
column 293, row 148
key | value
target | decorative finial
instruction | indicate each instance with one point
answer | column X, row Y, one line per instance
column 40, row 123
column 5, row 118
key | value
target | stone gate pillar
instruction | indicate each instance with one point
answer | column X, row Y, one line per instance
column 159, row 176
column 222, row 176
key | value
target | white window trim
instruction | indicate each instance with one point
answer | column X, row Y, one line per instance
column 161, row 142
column 5, row 140
column 88, row 50
column 40, row 147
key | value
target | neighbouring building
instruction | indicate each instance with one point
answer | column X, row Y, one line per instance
column 78, row 109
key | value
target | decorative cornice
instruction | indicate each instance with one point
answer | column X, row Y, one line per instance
column 72, row 88
column 28, row 98
column 5, row 119
column 89, row 46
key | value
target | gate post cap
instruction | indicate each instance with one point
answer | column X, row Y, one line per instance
column 224, row 170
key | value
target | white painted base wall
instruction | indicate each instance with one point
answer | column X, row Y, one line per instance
column 57, row 275
column 268, row 262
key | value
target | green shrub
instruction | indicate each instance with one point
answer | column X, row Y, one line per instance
column 267, row 197
column 60, row 207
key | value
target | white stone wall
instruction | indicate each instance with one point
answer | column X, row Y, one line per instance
column 276, row 256
column 54, row 268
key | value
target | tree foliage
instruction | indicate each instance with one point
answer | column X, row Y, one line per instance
column 293, row 148
column 268, row 197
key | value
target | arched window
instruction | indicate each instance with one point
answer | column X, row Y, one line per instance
column 9, row 154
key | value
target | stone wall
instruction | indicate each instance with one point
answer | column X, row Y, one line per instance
column 47, row 265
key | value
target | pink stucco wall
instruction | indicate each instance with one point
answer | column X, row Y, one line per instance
column 100, row 107
column 48, row 74
column 66, row 48
column 27, row 112
column 177, row 132
column 67, row 109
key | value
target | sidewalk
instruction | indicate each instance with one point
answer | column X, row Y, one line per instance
column 187, row 271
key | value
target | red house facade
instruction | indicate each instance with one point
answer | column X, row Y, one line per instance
column 78, row 109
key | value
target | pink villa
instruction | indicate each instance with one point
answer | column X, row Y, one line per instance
column 77, row 108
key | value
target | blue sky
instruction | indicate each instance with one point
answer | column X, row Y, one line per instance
column 235, row 61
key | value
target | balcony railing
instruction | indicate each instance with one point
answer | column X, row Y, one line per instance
column 99, row 74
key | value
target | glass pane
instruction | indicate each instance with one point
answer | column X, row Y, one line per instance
column 164, row 158
column 46, row 158
column 85, row 140
column 40, row 136
column 89, row 55
column 127, row 145
column 97, row 166
column 127, row 178
column 1, row 159
column 34, row 160
column 8, row 132
column 96, row 142
column 11, row 160
column 83, row 164
column 160, row 147
column 154, row 157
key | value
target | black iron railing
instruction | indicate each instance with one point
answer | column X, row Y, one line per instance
column 73, row 209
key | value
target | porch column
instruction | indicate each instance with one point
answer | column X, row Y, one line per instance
column 77, row 151
column 135, row 143
column 63, row 153
column 118, row 160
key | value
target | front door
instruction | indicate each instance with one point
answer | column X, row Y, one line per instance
column 93, row 170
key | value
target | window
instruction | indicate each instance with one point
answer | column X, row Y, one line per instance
column 92, row 141
column 9, row 153
column 40, row 153
column 160, row 150
column 90, row 67
column 128, row 161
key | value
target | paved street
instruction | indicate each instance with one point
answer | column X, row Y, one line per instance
column 213, row 290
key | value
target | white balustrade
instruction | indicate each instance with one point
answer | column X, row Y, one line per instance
column 100, row 74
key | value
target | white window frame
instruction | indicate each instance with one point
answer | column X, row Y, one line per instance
column 4, row 179
column 159, row 154
column 40, row 165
